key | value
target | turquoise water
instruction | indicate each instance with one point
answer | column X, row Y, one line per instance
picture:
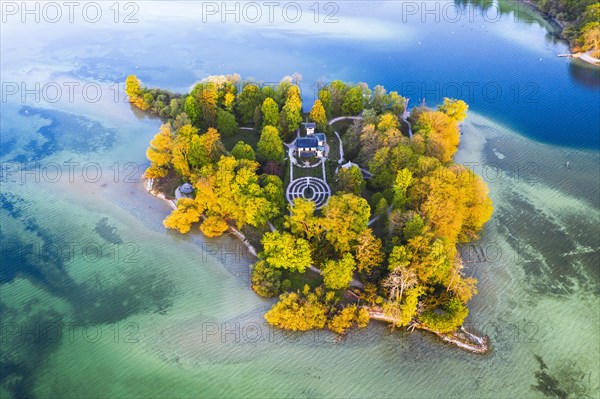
column 98, row 300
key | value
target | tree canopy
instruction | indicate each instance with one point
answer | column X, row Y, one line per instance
column 337, row 274
column 350, row 180
column 270, row 112
column 270, row 146
column 283, row 250
column 344, row 217
column 318, row 115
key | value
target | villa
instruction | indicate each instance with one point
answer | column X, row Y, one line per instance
column 310, row 128
column 313, row 144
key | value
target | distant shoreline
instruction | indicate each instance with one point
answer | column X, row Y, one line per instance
column 585, row 57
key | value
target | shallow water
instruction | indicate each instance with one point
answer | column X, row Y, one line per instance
column 98, row 300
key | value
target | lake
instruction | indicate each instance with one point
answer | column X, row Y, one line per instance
column 99, row 300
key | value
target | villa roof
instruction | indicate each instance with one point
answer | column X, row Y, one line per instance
column 310, row 125
column 186, row 188
column 307, row 142
column 320, row 136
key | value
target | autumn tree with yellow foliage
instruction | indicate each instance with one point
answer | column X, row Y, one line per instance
column 160, row 153
column 318, row 115
column 187, row 213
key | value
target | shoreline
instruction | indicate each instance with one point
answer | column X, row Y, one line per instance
column 148, row 185
column 461, row 338
column 583, row 56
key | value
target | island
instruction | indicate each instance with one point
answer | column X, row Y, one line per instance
column 354, row 210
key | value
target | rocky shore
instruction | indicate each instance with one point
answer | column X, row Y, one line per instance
column 461, row 338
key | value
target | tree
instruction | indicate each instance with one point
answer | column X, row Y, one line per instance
column 478, row 205
column 212, row 145
column 148, row 99
column 388, row 161
column 181, row 219
column 196, row 156
column 353, row 101
column 428, row 256
column 182, row 148
column 214, row 226
column 318, row 115
column 337, row 274
column 181, row 120
column 205, row 149
column 590, row 35
column 226, row 123
column 337, row 90
column 351, row 140
column 325, row 98
column 455, row 109
column 397, row 103
column 398, row 281
column 272, row 188
column 283, row 250
column 381, row 210
column 369, row 253
column 462, row 288
column 270, row 112
column 363, row 317
column 291, row 113
column 404, row 179
column 231, row 189
column 345, row 217
column 302, row 221
column 248, row 100
column 229, row 101
column 281, row 91
column 207, row 99
column 243, row 151
column 370, row 142
column 135, row 92
column 441, row 134
column 192, row 110
column 133, row 87
column 369, row 116
column 270, row 146
column 343, row 320
column 380, row 99
column 454, row 202
column 160, row 152
column 267, row 91
column 591, row 13
column 175, row 108
column 413, row 227
column 258, row 117
column 266, row 280
column 350, row 180
column 411, row 304
column 387, row 121
column 295, row 313
column 452, row 316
